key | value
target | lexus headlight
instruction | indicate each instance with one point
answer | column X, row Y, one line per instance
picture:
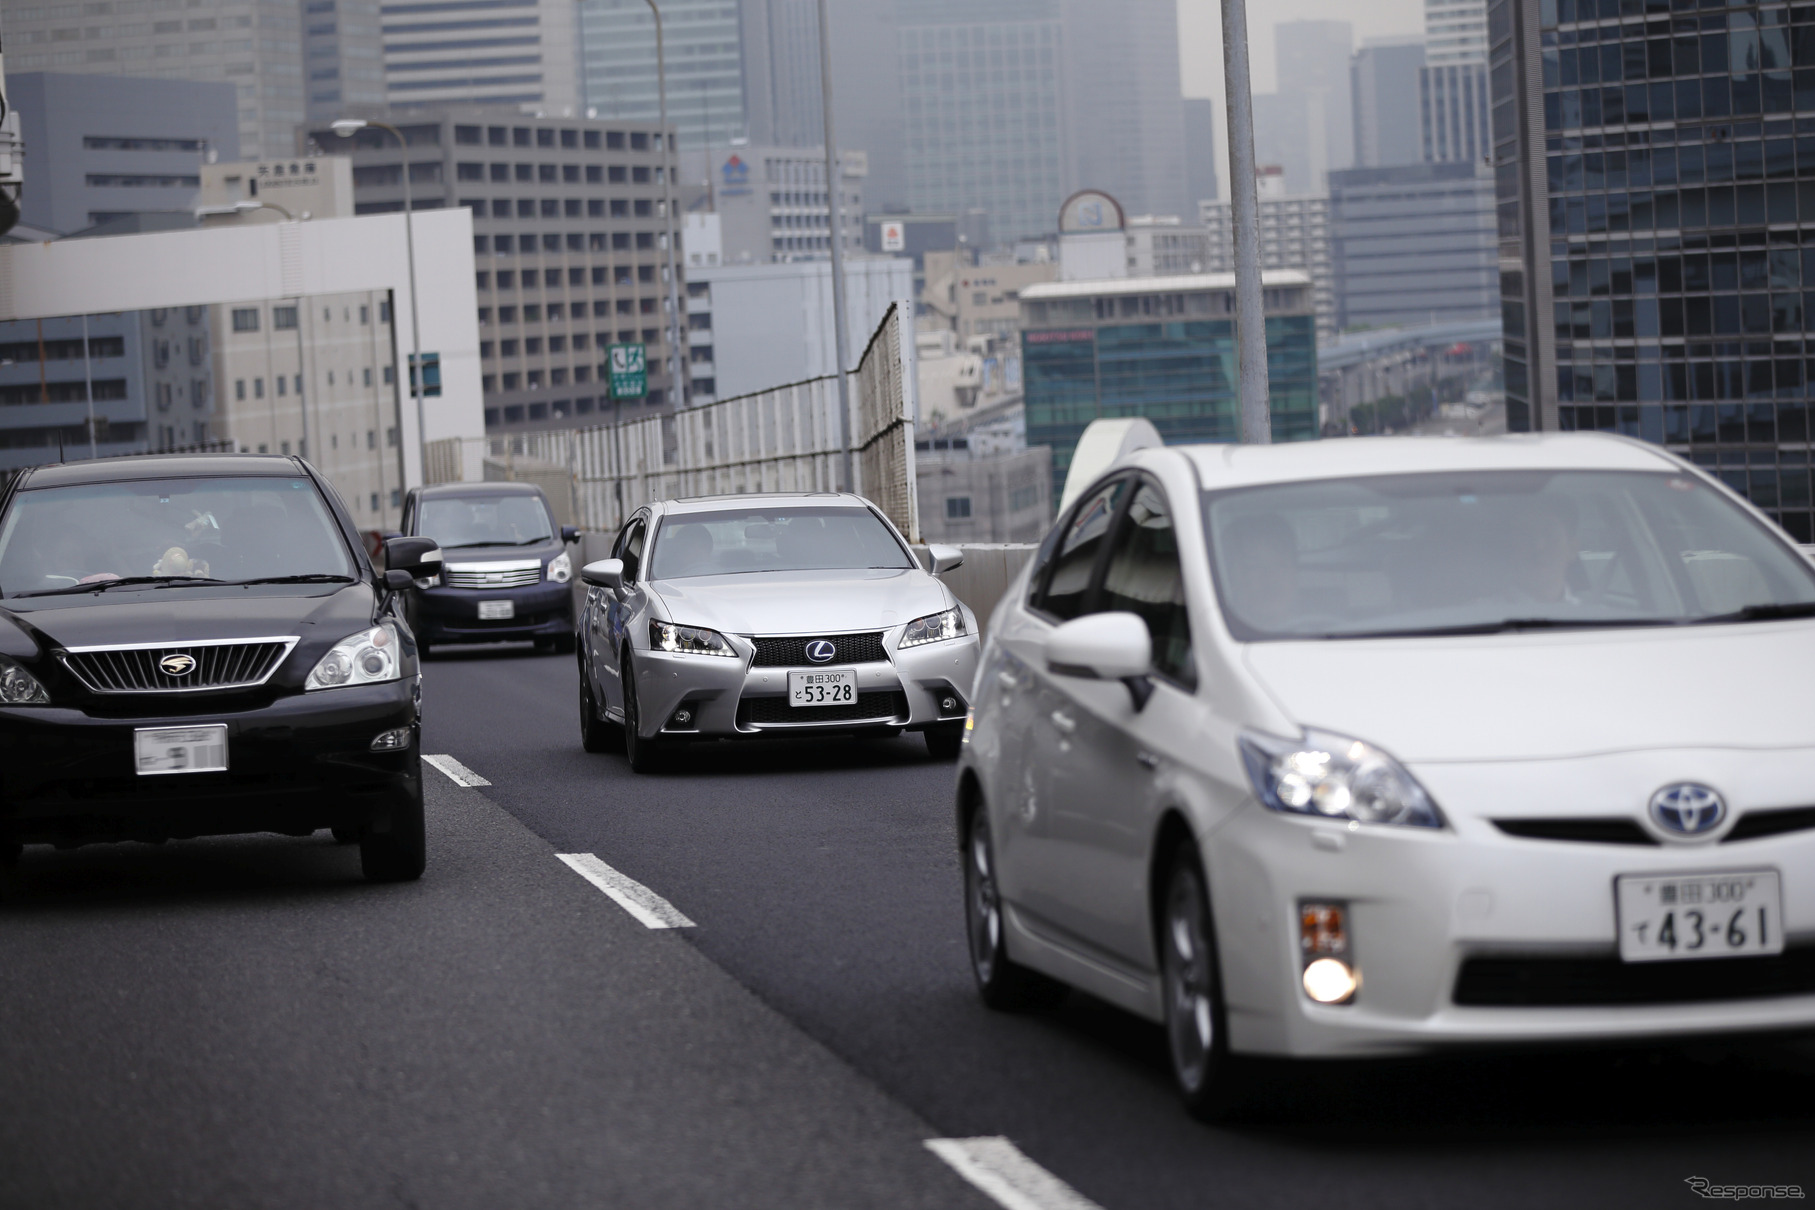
column 933, row 628
column 1335, row 777
column 560, row 568
column 688, row 640
column 365, row 658
column 19, row 687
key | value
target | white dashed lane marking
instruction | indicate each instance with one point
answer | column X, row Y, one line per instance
column 997, row 1167
column 628, row 893
column 458, row 773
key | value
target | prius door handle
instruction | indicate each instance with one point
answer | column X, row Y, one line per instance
column 1006, row 680
column 1147, row 760
column 1064, row 722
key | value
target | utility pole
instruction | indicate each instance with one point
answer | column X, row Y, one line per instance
column 834, row 198
column 670, row 163
column 1250, row 313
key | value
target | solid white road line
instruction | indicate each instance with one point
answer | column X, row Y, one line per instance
column 631, row 895
column 458, row 773
column 997, row 1167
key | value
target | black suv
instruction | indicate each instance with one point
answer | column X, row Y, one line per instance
column 194, row 645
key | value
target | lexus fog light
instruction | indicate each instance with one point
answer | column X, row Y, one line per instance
column 1323, row 943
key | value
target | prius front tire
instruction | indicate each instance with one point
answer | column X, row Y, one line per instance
column 1004, row 984
column 1214, row 1084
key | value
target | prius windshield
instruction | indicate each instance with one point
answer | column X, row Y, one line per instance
column 778, row 539
column 169, row 532
column 1489, row 551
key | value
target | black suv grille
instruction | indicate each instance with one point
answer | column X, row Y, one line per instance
column 176, row 667
column 1512, row 982
column 869, row 707
column 792, row 653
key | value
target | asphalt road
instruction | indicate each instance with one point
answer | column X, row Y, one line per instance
column 242, row 1022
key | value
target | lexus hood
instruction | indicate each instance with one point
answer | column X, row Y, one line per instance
column 803, row 602
column 1539, row 696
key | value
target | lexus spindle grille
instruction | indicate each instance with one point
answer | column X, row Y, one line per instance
column 500, row 575
column 178, row 667
column 863, row 648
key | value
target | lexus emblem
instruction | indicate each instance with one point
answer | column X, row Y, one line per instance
column 821, row 650
column 177, row 664
column 1688, row 808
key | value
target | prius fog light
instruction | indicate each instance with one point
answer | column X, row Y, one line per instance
column 1323, row 942
column 392, row 741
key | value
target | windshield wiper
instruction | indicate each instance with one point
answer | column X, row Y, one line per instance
column 312, row 577
column 1763, row 613
column 470, row 545
column 1503, row 626
column 127, row 581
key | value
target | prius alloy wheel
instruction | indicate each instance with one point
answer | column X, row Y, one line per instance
column 1211, row 1080
column 1004, row 984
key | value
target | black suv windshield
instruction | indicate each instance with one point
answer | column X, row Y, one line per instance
column 172, row 531
column 485, row 520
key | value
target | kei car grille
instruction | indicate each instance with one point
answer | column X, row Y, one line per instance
column 792, row 652
column 214, row 664
column 880, row 707
column 1523, row 982
column 492, row 575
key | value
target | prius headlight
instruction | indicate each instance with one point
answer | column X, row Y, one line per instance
column 19, row 687
column 1335, row 777
column 688, row 640
column 933, row 628
column 365, row 658
column 560, row 568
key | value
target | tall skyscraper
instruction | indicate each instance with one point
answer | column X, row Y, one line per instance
column 1200, row 151
column 1654, row 242
column 1312, row 59
column 1384, row 98
column 1453, row 85
column 1413, row 244
column 482, row 52
column 704, row 49
column 1124, row 120
column 1288, row 134
column 781, row 72
column 256, row 45
column 343, row 58
column 1455, row 31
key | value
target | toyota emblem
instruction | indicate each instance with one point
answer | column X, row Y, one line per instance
column 821, row 650
column 1688, row 808
column 177, row 664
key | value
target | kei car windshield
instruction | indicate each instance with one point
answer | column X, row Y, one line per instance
column 780, row 539
column 1480, row 551
column 234, row 529
column 485, row 520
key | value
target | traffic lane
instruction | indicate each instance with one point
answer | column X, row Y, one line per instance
column 825, row 878
column 244, row 1022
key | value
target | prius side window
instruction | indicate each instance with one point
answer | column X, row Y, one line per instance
column 630, row 550
column 1067, row 582
column 1144, row 578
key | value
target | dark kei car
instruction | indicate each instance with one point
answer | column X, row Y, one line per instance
column 195, row 645
column 508, row 575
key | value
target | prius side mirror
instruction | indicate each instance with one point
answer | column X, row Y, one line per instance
column 1105, row 647
column 606, row 573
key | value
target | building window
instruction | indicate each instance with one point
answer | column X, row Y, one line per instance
column 245, row 319
column 957, row 508
column 239, row 388
column 282, row 318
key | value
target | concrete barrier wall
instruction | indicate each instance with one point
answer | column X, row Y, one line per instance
column 987, row 571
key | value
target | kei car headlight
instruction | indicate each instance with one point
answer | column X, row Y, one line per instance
column 688, row 640
column 19, row 687
column 933, row 628
column 1335, row 777
column 365, row 658
column 560, row 568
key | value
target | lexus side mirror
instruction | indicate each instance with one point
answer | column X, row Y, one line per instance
column 1105, row 647
column 421, row 557
column 945, row 558
column 606, row 573
column 570, row 533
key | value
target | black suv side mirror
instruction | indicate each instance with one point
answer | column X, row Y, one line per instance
column 421, row 557
column 570, row 533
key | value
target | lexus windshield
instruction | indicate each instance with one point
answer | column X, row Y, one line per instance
column 781, row 539
column 169, row 532
column 1490, row 551
column 491, row 519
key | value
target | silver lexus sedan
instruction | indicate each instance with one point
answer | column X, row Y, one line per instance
column 762, row 615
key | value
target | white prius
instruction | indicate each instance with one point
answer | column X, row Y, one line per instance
column 1369, row 747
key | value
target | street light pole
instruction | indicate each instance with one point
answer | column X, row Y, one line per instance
column 346, row 128
column 1250, row 313
column 834, row 196
column 668, row 156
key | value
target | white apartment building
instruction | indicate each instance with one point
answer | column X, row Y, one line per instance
column 1162, row 246
column 773, row 205
column 1294, row 234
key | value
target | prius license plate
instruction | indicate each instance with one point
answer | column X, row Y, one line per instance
column 827, row 687
column 181, row 749
column 1727, row 914
column 497, row 611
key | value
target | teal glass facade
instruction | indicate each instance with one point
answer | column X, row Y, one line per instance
column 1181, row 375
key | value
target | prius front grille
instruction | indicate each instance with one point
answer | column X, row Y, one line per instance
column 178, row 667
column 1515, row 981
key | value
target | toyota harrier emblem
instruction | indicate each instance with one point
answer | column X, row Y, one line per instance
column 820, row 650
column 1688, row 809
column 177, row 664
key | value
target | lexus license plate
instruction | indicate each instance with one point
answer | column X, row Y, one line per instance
column 1727, row 914
column 497, row 611
column 830, row 687
column 181, row 749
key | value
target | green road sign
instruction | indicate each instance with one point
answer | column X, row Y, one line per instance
column 629, row 371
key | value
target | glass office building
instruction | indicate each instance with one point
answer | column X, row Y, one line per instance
column 1162, row 348
column 1655, row 197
